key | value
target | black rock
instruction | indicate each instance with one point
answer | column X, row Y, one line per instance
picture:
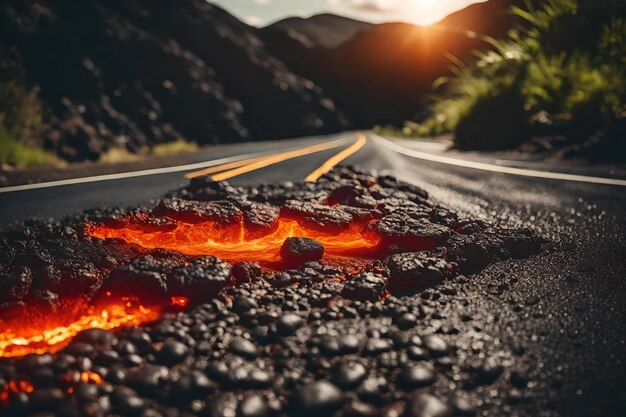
column 192, row 386
column 426, row 405
column 200, row 280
column 406, row 321
column 315, row 399
column 245, row 272
column 241, row 304
column 462, row 406
column 222, row 212
column 416, row 271
column 253, row 406
column 243, row 347
column 436, row 345
column 171, row 353
column 298, row 250
column 96, row 337
column 288, row 324
column 144, row 277
column 365, row 287
column 347, row 375
column 415, row 377
column 15, row 285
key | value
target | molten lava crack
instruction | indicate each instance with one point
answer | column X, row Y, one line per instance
column 235, row 243
column 38, row 332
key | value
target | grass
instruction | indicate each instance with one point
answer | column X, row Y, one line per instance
column 562, row 71
column 15, row 153
column 172, row 148
column 119, row 155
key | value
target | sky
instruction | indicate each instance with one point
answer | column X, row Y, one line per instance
column 420, row 12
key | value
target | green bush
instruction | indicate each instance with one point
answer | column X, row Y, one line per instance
column 565, row 67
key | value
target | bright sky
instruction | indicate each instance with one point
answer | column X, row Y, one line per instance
column 421, row 12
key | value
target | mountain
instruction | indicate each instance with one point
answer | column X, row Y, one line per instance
column 323, row 30
column 384, row 74
column 134, row 73
column 492, row 18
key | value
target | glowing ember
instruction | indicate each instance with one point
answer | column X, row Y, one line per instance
column 85, row 377
column 45, row 334
column 235, row 243
column 181, row 302
column 15, row 386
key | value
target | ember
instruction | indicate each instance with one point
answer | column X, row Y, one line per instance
column 15, row 387
column 49, row 336
column 181, row 302
column 234, row 243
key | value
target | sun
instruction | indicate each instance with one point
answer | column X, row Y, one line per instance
column 425, row 12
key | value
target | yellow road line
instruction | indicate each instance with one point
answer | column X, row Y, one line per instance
column 224, row 167
column 274, row 159
column 336, row 159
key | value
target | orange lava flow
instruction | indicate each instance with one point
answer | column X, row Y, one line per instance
column 48, row 333
column 235, row 243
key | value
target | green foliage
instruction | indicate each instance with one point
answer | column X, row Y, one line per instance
column 20, row 110
column 16, row 153
column 565, row 67
column 20, row 122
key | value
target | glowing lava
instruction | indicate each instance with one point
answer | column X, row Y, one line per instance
column 235, row 243
column 45, row 333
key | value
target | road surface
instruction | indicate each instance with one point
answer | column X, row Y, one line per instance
column 563, row 312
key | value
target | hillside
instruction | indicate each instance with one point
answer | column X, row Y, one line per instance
column 130, row 73
column 323, row 30
column 384, row 73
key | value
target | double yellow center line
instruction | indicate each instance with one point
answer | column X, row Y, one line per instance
column 233, row 169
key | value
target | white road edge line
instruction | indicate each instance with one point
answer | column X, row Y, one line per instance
column 133, row 174
column 496, row 168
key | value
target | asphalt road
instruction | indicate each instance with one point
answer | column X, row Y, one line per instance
column 563, row 312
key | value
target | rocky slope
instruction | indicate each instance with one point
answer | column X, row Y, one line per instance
column 135, row 73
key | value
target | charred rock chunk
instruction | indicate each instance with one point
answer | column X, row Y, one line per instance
column 205, row 189
column 354, row 196
column 15, row 285
column 361, row 215
column 143, row 276
column 259, row 219
column 298, row 250
column 317, row 216
column 409, row 233
column 34, row 255
column 78, row 278
column 201, row 279
column 416, row 271
column 522, row 244
column 221, row 212
column 474, row 252
column 389, row 181
column 365, row 287
column 153, row 224
column 245, row 272
column 444, row 216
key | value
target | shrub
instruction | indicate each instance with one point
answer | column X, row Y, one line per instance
column 565, row 67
